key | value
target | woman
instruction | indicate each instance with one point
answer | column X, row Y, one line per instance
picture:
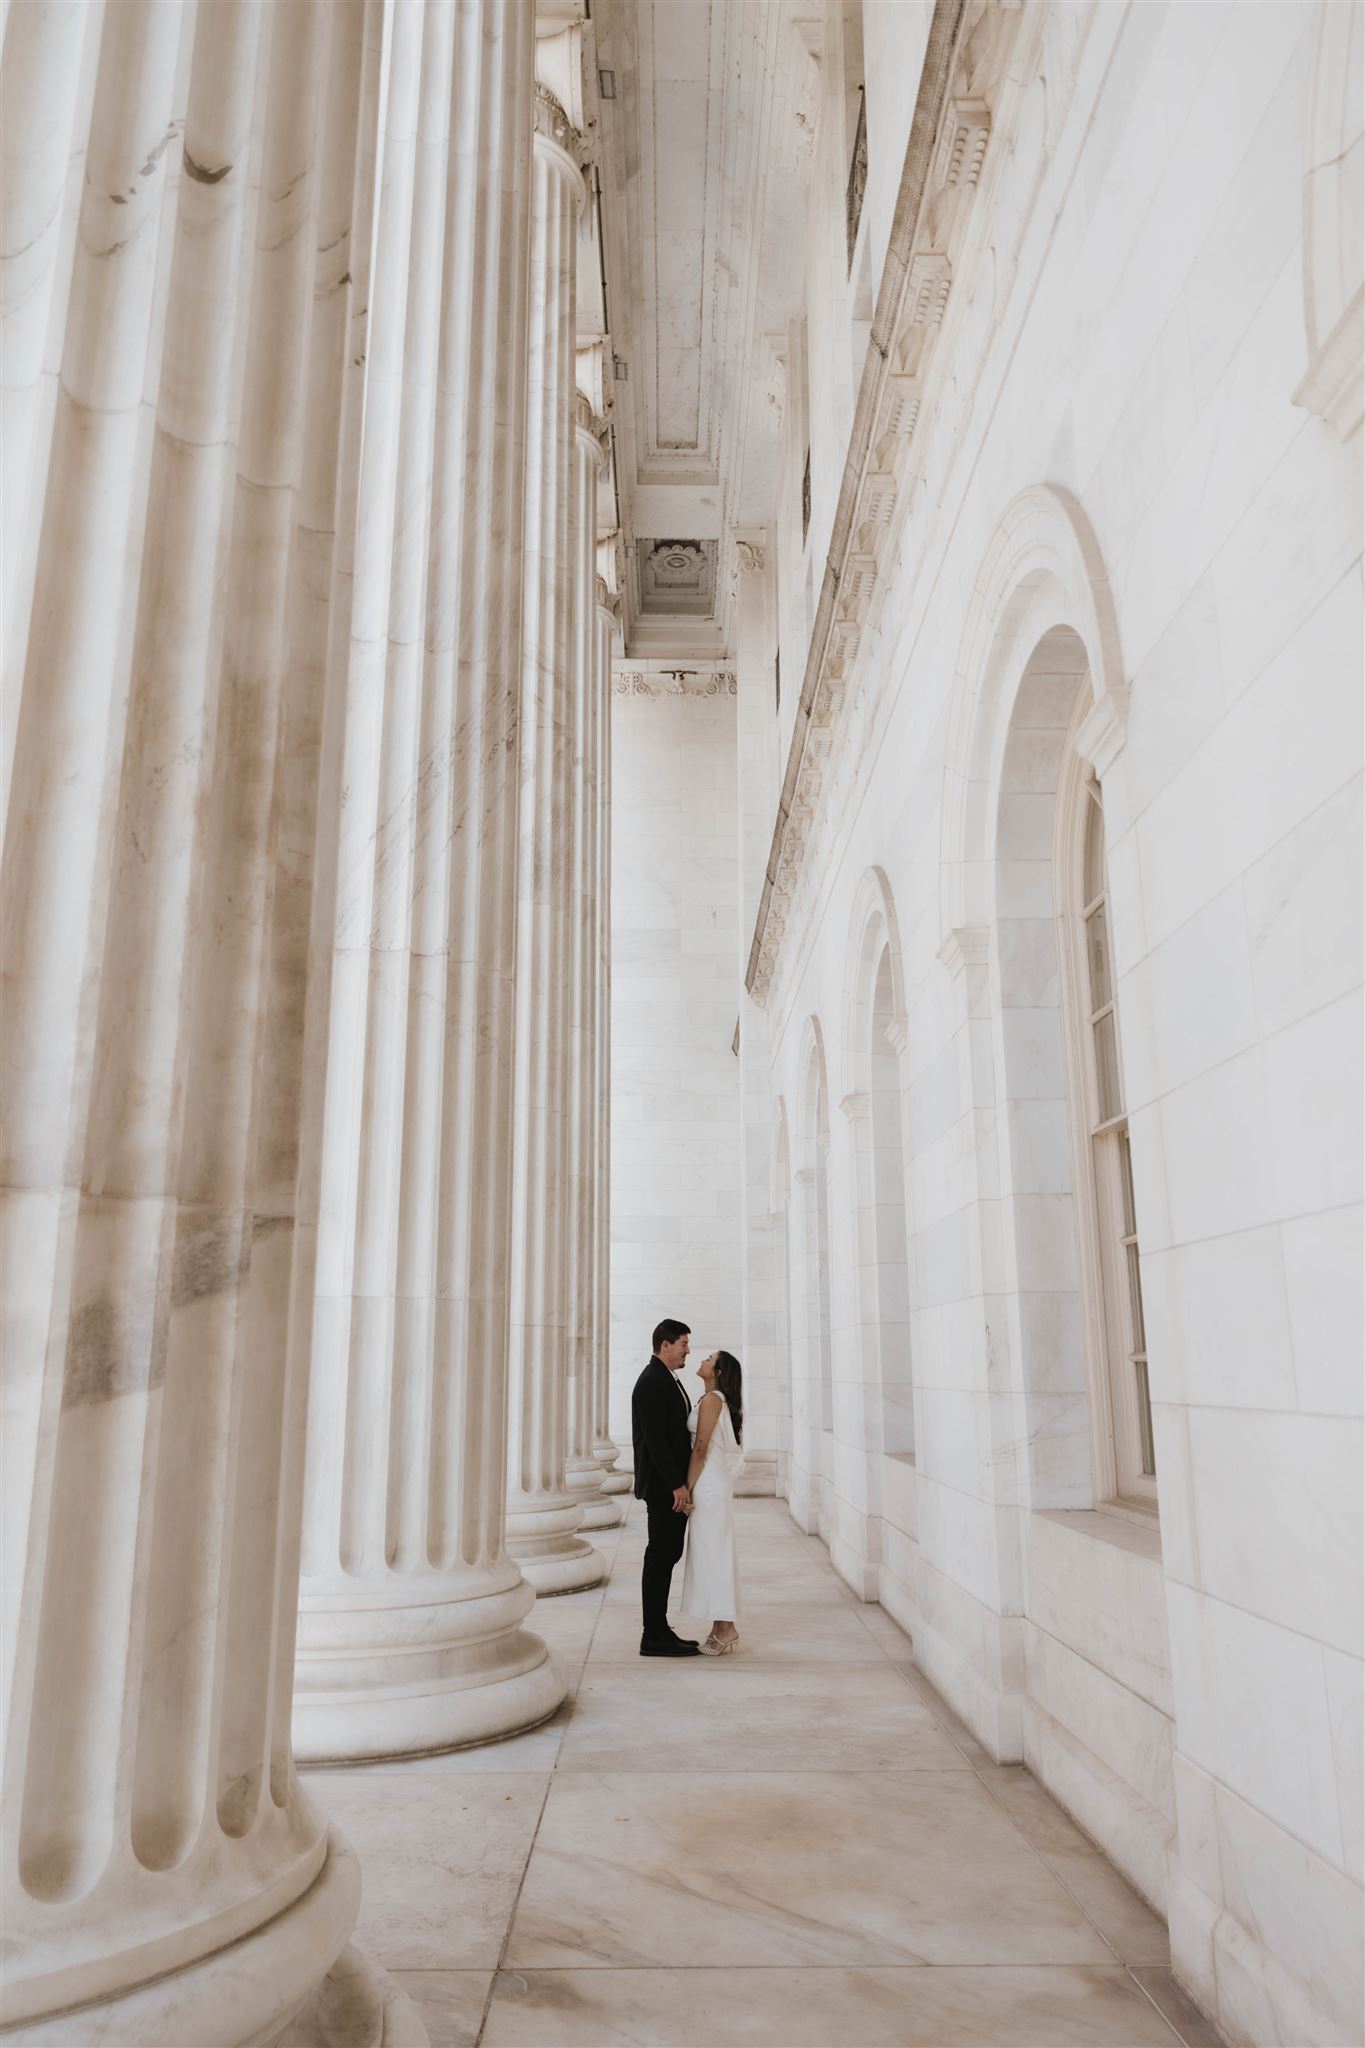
column 710, row 1580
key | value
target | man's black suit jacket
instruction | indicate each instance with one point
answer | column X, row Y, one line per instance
column 659, row 1409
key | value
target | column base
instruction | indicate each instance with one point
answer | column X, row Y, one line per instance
column 606, row 1512
column 758, row 1480
column 616, row 1477
column 583, row 1482
column 406, row 1680
column 357, row 2005
column 543, row 1540
column 242, row 1996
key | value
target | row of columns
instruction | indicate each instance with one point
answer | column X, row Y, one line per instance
column 305, row 973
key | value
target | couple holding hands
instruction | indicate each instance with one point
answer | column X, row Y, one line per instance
column 686, row 1465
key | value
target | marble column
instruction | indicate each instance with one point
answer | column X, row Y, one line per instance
column 411, row 1610
column 604, row 1448
column 582, row 1471
column 165, row 1878
column 767, row 1374
column 543, row 1515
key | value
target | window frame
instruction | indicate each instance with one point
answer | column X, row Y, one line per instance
column 1121, row 1428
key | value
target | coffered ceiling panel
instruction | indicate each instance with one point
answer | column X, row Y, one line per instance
column 678, row 109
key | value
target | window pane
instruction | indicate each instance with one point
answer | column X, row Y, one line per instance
column 1107, row 1068
column 1094, row 844
column 1144, row 1408
column 1135, row 1299
column 1097, row 953
column 1126, row 1183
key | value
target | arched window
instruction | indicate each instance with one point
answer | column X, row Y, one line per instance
column 874, row 1039
column 814, row 1179
column 1124, row 1390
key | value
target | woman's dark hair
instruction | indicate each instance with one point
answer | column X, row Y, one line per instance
column 730, row 1380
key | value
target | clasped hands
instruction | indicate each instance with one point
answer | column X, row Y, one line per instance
column 682, row 1500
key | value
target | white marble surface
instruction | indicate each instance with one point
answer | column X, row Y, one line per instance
column 411, row 1631
column 1146, row 362
column 548, row 1276
column 692, row 1887
column 675, row 1156
column 179, row 208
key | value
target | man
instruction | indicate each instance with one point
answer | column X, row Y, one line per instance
column 659, row 1409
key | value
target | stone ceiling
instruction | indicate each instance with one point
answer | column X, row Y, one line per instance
column 703, row 261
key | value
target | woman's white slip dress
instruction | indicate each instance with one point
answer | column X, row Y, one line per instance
column 710, row 1578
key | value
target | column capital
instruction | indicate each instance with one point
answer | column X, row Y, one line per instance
column 751, row 558
column 553, row 125
column 591, row 423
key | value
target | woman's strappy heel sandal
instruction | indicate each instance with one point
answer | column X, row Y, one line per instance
column 715, row 1647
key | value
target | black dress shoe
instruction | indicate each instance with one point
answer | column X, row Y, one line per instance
column 668, row 1646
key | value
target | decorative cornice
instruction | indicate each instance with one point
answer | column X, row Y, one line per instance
column 750, row 558
column 552, row 124
column 965, row 946
column 967, row 51
column 674, row 682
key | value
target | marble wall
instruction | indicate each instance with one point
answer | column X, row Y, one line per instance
column 1127, row 536
column 675, row 1138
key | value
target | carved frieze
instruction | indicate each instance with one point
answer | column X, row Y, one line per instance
column 675, row 682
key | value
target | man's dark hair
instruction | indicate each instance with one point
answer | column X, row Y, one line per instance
column 668, row 1332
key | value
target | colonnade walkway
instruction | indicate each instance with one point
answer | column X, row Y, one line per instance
column 797, row 1847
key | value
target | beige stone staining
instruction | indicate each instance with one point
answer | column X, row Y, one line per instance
column 411, row 1626
column 154, row 1058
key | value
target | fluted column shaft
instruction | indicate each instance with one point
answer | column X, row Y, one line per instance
column 583, row 1473
column 543, row 1516
column 410, row 1633
column 163, row 1871
column 604, row 1448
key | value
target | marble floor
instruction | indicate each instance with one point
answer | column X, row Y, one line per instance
column 798, row 1846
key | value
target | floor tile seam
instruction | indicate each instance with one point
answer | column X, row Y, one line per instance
column 906, row 1673
column 1053, row 1872
column 806, row 1773
column 514, row 1908
column 787, row 1968
column 627, row 1662
column 1130, row 1970
column 863, row 1605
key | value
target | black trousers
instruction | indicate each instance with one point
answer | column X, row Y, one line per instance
column 663, row 1548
